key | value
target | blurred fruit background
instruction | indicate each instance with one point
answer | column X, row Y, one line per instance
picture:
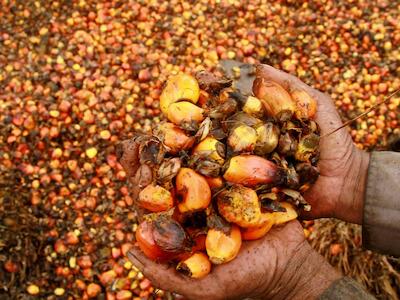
column 78, row 76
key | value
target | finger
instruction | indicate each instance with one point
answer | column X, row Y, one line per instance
column 289, row 82
column 161, row 275
column 167, row 278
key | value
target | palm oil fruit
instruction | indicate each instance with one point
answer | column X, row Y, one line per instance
column 306, row 106
column 180, row 87
column 196, row 266
column 192, row 190
column 276, row 100
column 155, row 198
column 212, row 148
column 240, row 205
column 242, row 138
column 284, row 217
column 185, row 114
column 257, row 232
column 253, row 106
column 267, row 138
column 226, row 166
column 250, row 170
column 146, row 242
column 173, row 137
column 223, row 247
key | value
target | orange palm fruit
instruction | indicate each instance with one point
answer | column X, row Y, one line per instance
column 212, row 148
column 146, row 242
column 223, row 247
column 284, row 217
column 306, row 106
column 173, row 137
column 242, row 138
column 179, row 87
column 193, row 191
column 240, row 205
column 196, row 266
column 155, row 198
column 250, row 170
column 215, row 182
column 185, row 114
column 255, row 233
column 276, row 100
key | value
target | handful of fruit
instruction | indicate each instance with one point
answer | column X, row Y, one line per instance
column 225, row 167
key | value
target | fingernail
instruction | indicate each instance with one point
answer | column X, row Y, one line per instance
column 135, row 261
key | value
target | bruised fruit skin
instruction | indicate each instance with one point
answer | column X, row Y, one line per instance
column 193, row 190
column 221, row 247
column 284, row 217
column 196, row 266
column 128, row 156
column 169, row 235
column 257, row 232
column 179, row 87
column 276, row 100
column 173, row 137
column 306, row 106
column 240, row 205
column 146, row 242
column 242, row 138
column 155, row 198
column 185, row 114
column 251, row 170
column 211, row 148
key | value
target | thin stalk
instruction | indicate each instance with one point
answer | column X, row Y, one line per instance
column 373, row 107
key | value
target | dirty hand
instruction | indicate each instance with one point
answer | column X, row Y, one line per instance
column 282, row 265
column 339, row 190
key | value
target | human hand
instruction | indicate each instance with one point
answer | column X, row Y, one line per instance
column 281, row 265
column 340, row 188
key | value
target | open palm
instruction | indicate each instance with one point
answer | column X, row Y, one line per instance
column 253, row 273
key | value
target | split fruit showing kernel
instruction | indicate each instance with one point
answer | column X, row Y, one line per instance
column 222, row 170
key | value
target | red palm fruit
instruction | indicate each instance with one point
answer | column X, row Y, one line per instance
column 146, row 242
column 251, row 170
column 276, row 100
column 173, row 137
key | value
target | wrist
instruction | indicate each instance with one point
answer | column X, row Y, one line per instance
column 350, row 205
column 306, row 276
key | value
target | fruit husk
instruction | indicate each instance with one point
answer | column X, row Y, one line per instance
column 224, row 110
column 169, row 234
column 287, row 145
column 212, row 83
column 151, row 150
column 167, row 171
